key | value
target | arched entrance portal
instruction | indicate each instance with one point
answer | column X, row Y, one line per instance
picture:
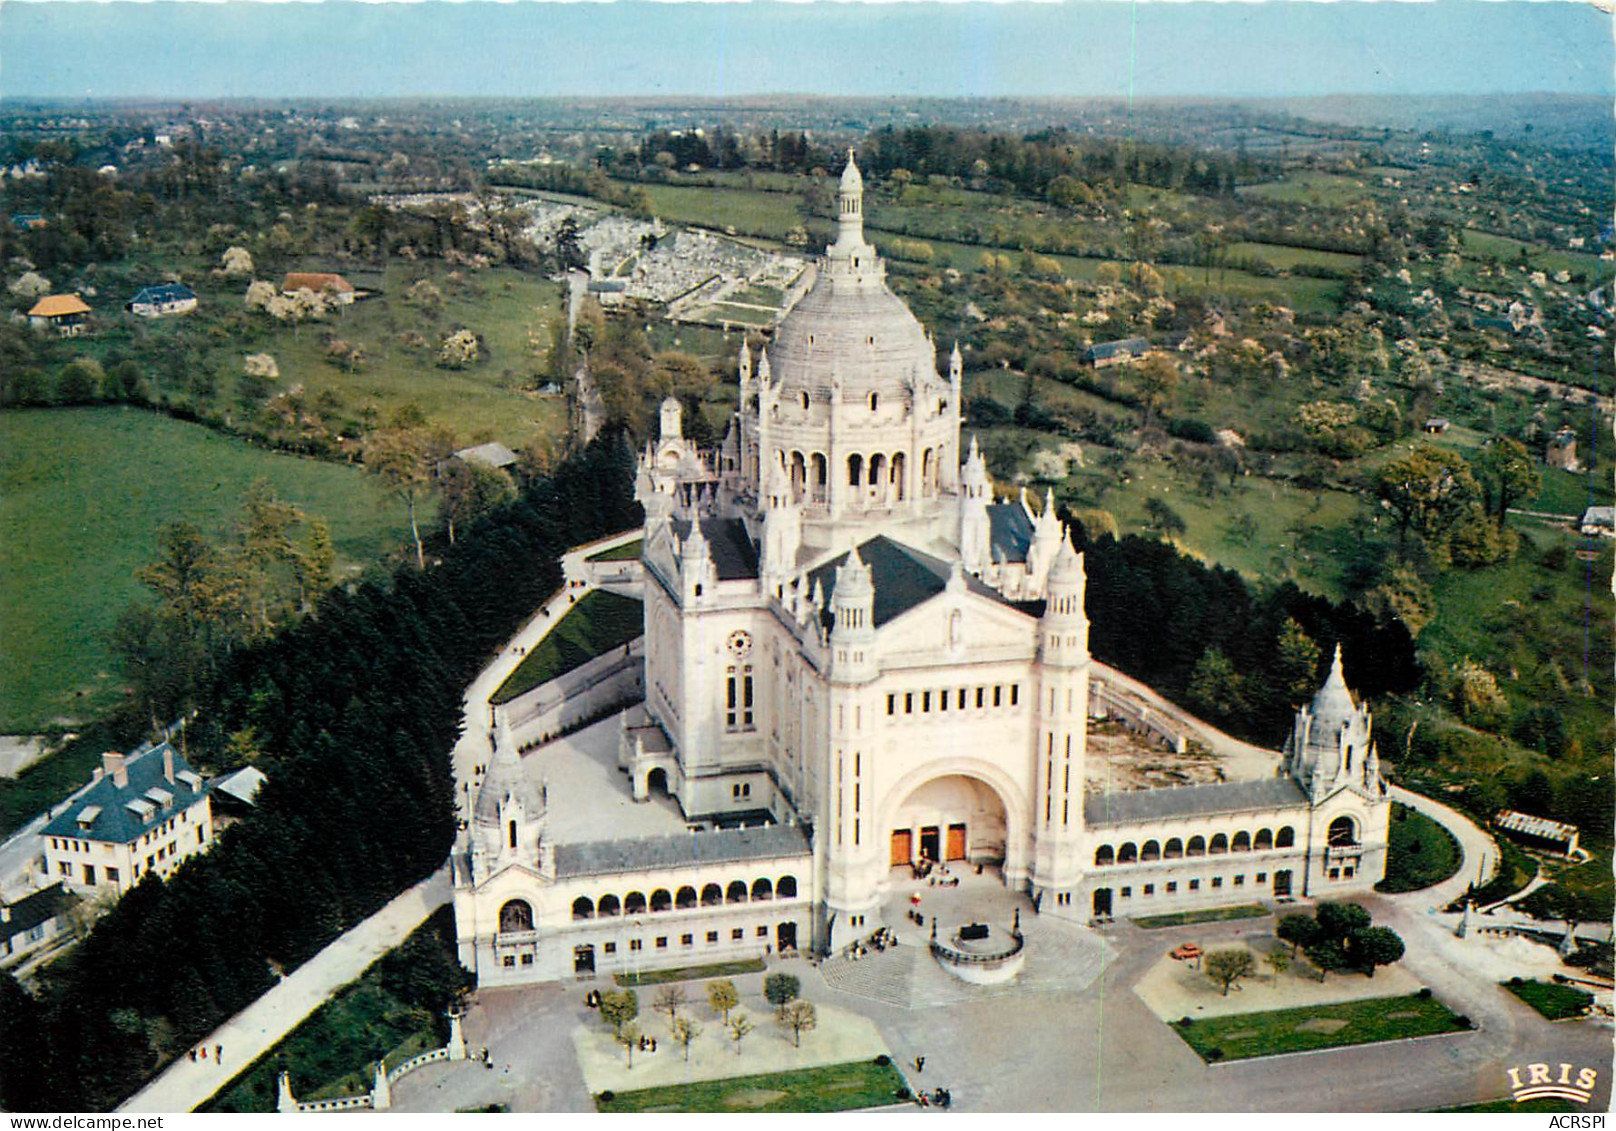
column 956, row 817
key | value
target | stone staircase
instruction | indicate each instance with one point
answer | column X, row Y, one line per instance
column 886, row 976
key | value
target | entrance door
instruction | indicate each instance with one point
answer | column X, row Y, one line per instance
column 1102, row 901
column 583, row 960
column 785, row 938
column 903, row 841
column 1282, row 882
column 956, row 843
column 930, row 846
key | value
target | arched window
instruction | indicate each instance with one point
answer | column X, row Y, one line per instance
column 1343, row 831
column 1264, row 841
column 1219, row 845
column 712, row 895
column 762, row 889
column 608, row 907
column 926, row 470
column 1151, row 851
column 661, row 900
column 1103, row 856
column 786, row 888
column 855, row 471
column 736, row 893
column 804, row 399
column 517, row 915
column 583, row 908
column 511, row 833
column 897, row 475
column 1286, row 837
column 1241, row 842
column 878, row 468
column 875, row 401
column 1174, row 849
column 1196, row 846
column 686, row 899
column 1128, row 853
column 818, row 466
column 634, row 903
column 799, row 474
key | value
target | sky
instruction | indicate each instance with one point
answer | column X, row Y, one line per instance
column 530, row 48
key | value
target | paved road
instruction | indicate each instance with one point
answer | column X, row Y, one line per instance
column 1480, row 854
column 185, row 1084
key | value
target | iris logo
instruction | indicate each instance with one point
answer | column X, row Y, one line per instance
column 1544, row 1080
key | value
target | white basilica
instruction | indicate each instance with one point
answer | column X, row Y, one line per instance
column 856, row 658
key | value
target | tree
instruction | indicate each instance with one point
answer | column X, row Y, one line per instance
column 627, row 1035
column 260, row 293
column 669, row 1000
column 1163, row 517
column 781, row 989
column 1374, row 946
column 1339, row 920
column 80, row 381
column 459, row 349
column 235, row 262
column 1277, row 961
column 1431, row 492
column 1402, row 597
column 1216, row 686
column 471, row 490
column 798, row 1016
column 739, row 1026
column 1299, row 930
column 1226, row 967
column 405, row 459
column 1157, row 377
column 1296, row 662
column 1508, row 474
column 722, row 997
column 685, row 1030
column 619, row 1008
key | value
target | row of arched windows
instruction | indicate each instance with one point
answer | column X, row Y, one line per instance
column 685, row 899
column 877, row 478
column 1175, row 848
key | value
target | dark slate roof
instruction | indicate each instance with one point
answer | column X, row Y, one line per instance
column 1009, row 532
column 114, row 821
column 903, row 576
column 163, row 292
column 1132, row 806
column 723, row 846
column 39, row 907
column 729, row 544
column 1112, row 349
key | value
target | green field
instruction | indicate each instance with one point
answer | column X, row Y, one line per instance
column 1553, row 1001
column 1508, row 250
column 594, row 626
column 751, row 212
column 83, row 493
column 1241, row 1036
column 834, row 1087
column 1421, row 852
column 1209, row 915
column 1285, row 257
column 627, row 552
column 1310, row 188
column 691, row 973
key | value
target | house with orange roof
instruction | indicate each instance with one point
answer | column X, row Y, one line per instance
column 65, row 313
column 333, row 286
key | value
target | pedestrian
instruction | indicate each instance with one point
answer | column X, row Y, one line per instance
column 193, row 1056
column 218, row 1054
column 920, row 1064
column 204, row 1052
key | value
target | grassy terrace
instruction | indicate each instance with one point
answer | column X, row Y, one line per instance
column 834, row 1087
column 1208, row 915
column 627, row 552
column 691, row 973
column 1553, row 1001
column 1421, row 852
column 594, row 626
column 1241, row 1036
column 83, row 493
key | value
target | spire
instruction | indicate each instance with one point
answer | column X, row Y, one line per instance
column 849, row 211
column 1068, row 567
column 763, row 366
column 956, row 365
column 1333, row 705
column 505, row 780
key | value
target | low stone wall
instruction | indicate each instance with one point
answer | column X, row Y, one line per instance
column 1108, row 701
column 380, row 1096
column 589, row 691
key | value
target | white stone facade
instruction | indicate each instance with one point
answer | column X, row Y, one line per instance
column 847, row 636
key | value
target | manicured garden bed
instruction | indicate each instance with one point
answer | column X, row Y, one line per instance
column 1241, row 1036
column 691, row 973
column 1554, row 1001
column 1208, row 915
column 594, row 626
column 1421, row 852
column 832, row 1087
column 627, row 552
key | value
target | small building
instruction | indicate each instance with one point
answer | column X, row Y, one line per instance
column 66, row 314
column 235, row 794
column 1562, row 451
column 1538, row 832
column 27, row 221
column 1599, row 522
column 494, row 455
column 334, row 287
column 33, row 922
column 142, row 812
column 162, row 299
column 1435, row 425
column 1102, row 354
column 609, row 292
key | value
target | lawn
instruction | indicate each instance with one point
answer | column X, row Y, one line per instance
column 1309, row 188
column 1208, row 915
column 1421, row 852
column 627, row 552
column 833, row 1087
column 1241, row 1036
column 594, row 626
column 751, row 212
column 1285, row 257
column 380, row 1016
column 691, row 973
column 82, row 495
column 1553, row 1001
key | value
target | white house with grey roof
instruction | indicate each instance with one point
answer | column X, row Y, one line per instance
column 142, row 813
column 857, row 659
